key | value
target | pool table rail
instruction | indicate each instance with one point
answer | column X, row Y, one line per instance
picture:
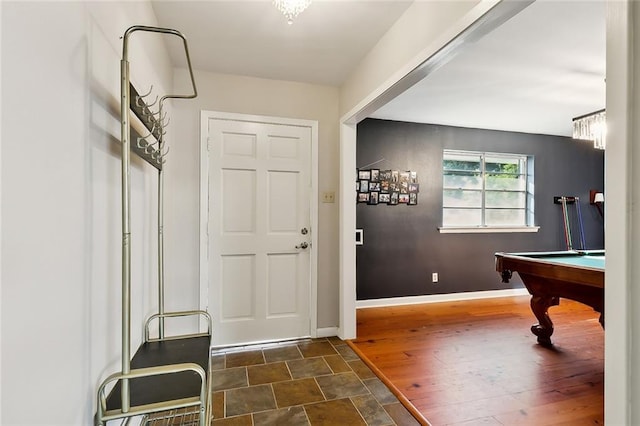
column 526, row 263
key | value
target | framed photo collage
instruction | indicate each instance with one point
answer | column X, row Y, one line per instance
column 375, row 186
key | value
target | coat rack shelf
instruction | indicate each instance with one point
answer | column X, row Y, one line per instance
column 168, row 374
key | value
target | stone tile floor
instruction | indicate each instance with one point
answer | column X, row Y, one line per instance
column 307, row 382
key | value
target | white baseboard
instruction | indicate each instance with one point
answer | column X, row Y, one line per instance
column 327, row 332
column 433, row 298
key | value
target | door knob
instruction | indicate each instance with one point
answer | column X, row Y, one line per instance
column 303, row 245
column 304, row 231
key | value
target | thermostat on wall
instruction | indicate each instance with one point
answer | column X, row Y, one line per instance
column 359, row 237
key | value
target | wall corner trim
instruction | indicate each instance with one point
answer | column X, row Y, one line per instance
column 327, row 332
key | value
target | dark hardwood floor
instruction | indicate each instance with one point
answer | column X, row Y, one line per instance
column 477, row 363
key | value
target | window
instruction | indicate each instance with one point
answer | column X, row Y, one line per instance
column 486, row 190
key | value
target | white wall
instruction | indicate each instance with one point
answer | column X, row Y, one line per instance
column 622, row 295
column 61, row 235
column 237, row 94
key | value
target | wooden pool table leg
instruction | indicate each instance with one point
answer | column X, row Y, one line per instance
column 544, row 328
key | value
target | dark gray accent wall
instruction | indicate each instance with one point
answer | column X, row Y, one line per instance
column 402, row 244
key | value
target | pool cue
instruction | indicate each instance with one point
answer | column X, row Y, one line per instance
column 579, row 211
column 567, row 227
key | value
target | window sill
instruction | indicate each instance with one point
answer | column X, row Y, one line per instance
column 486, row 229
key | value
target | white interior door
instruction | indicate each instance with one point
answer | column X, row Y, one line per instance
column 259, row 230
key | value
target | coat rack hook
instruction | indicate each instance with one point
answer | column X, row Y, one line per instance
column 139, row 143
column 161, row 133
column 149, row 149
column 157, row 113
column 153, row 103
column 142, row 104
column 148, row 93
column 146, row 110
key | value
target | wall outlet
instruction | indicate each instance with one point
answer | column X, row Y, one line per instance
column 329, row 197
column 434, row 277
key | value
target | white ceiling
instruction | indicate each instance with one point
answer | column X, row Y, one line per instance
column 533, row 74
column 323, row 46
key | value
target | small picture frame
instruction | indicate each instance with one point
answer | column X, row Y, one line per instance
column 364, row 174
column 413, row 198
column 375, row 175
column 393, row 198
column 414, row 188
column 374, row 197
column 403, row 198
column 364, row 186
column 395, row 176
column 374, row 186
column 357, row 186
column 385, row 198
column 363, row 197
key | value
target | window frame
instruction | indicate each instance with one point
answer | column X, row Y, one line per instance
column 483, row 227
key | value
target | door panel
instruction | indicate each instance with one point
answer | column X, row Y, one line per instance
column 283, row 211
column 238, row 196
column 238, row 282
column 259, row 201
column 282, row 285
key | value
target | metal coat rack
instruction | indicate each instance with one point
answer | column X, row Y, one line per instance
column 168, row 375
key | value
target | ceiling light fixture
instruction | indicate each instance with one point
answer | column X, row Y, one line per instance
column 592, row 127
column 291, row 8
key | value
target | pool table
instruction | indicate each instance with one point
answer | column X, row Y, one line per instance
column 548, row 276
